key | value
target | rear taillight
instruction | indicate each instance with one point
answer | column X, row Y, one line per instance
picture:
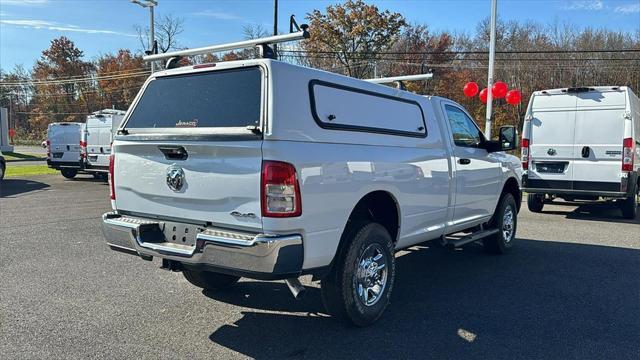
column 83, row 149
column 627, row 154
column 525, row 154
column 48, row 148
column 112, row 187
column 280, row 191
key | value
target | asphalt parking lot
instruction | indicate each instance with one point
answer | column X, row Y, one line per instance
column 570, row 289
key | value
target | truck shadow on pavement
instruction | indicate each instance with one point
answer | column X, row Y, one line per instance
column 593, row 211
column 543, row 300
column 12, row 187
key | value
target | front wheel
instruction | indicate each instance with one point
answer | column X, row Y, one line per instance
column 69, row 173
column 358, row 288
column 505, row 220
column 629, row 206
column 535, row 202
column 209, row 280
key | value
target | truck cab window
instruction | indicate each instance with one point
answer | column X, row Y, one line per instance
column 465, row 132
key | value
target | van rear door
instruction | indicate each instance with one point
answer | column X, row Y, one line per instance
column 64, row 142
column 190, row 149
column 552, row 140
column 99, row 140
column 599, row 133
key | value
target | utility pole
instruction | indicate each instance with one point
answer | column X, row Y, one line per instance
column 152, row 38
column 492, row 53
column 275, row 25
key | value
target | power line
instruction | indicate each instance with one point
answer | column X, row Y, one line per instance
column 74, row 81
column 468, row 52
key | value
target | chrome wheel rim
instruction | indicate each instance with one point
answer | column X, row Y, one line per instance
column 371, row 275
column 508, row 222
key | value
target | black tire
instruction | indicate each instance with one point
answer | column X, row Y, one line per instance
column 344, row 290
column 69, row 173
column 2, row 170
column 535, row 202
column 629, row 206
column 209, row 280
column 506, row 224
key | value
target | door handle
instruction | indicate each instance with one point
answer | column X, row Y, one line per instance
column 174, row 152
column 464, row 161
column 585, row 151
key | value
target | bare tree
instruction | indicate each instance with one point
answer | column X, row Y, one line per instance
column 167, row 29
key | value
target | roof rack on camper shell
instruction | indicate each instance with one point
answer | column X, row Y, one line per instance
column 263, row 45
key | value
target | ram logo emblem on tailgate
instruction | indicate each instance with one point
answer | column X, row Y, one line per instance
column 175, row 177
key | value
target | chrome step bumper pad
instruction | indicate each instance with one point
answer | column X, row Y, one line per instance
column 249, row 255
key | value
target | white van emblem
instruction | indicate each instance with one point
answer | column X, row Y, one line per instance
column 551, row 152
column 175, row 177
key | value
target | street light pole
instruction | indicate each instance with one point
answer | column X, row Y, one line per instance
column 492, row 53
column 152, row 36
column 151, row 4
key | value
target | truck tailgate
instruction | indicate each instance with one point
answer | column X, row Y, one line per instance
column 221, row 181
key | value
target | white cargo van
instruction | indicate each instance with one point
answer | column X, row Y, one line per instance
column 63, row 148
column 582, row 144
column 97, row 137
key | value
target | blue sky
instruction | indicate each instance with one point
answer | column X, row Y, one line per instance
column 101, row 26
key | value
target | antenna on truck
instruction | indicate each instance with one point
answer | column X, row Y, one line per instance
column 173, row 57
column 399, row 80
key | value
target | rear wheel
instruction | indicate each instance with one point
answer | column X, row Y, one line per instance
column 209, row 280
column 2, row 168
column 535, row 202
column 358, row 288
column 69, row 173
column 506, row 221
column 629, row 206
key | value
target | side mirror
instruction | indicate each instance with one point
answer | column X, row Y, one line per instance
column 507, row 138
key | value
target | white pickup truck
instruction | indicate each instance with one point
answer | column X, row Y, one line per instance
column 268, row 170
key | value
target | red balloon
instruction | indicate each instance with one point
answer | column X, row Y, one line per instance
column 514, row 97
column 470, row 89
column 499, row 90
column 483, row 95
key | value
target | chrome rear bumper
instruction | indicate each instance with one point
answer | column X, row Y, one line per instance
column 259, row 256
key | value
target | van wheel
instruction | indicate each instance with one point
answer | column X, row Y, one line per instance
column 69, row 173
column 535, row 202
column 209, row 280
column 629, row 206
column 358, row 288
column 2, row 168
column 506, row 221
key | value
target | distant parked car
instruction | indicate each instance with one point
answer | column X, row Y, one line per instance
column 583, row 144
column 3, row 166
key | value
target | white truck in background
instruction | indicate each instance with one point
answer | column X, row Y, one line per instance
column 582, row 144
column 63, row 148
column 96, row 138
column 268, row 170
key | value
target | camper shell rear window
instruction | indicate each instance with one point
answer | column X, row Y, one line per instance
column 214, row 99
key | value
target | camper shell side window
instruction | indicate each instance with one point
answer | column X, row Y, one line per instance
column 340, row 107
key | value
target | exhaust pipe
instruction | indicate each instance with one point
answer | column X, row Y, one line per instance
column 296, row 288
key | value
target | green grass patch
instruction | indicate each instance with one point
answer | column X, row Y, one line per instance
column 28, row 170
column 9, row 156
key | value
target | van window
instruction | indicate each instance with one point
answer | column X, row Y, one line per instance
column 225, row 98
column 465, row 131
column 345, row 108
